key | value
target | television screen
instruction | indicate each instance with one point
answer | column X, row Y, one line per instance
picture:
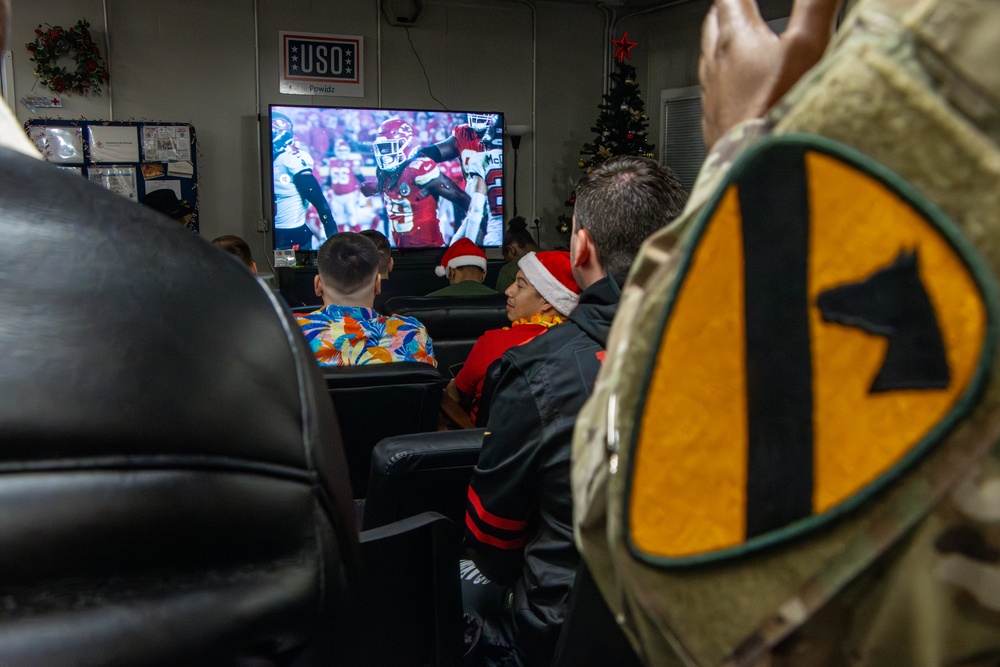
column 422, row 178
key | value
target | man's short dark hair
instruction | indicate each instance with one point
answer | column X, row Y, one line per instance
column 384, row 249
column 235, row 245
column 347, row 261
column 621, row 202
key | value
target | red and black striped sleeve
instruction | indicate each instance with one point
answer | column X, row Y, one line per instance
column 502, row 498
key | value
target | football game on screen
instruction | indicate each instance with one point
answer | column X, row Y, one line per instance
column 422, row 178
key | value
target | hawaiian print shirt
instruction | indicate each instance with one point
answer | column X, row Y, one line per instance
column 351, row 336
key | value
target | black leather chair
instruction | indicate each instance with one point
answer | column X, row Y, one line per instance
column 418, row 473
column 410, row 611
column 376, row 401
column 453, row 322
column 589, row 636
column 172, row 485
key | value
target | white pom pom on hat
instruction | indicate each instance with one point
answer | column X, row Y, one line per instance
column 462, row 252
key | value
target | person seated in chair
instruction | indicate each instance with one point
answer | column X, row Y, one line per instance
column 543, row 294
column 347, row 331
column 517, row 243
column 464, row 263
column 519, row 517
column 384, row 266
column 237, row 247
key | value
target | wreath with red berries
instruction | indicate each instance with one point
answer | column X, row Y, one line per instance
column 51, row 44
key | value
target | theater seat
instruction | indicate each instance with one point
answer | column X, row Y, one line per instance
column 418, row 473
column 376, row 401
column 589, row 636
column 453, row 322
column 410, row 611
column 172, row 485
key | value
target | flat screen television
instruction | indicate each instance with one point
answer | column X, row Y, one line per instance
column 423, row 178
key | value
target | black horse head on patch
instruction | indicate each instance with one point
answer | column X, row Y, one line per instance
column 892, row 302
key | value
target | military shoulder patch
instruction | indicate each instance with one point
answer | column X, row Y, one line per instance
column 827, row 328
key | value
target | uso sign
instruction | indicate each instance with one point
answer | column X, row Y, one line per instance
column 315, row 64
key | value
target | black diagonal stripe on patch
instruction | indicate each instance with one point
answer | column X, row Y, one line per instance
column 775, row 208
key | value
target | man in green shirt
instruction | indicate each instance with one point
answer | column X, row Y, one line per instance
column 517, row 243
column 465, row 265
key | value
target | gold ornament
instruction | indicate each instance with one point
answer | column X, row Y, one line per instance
column 604, row 152
column 581, row 164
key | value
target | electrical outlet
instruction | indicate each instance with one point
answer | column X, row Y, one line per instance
column 262, row 225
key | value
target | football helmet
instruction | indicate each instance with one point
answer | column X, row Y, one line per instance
column 281, row 132
column 393, row 144
column 480, row 122
column 341, row 149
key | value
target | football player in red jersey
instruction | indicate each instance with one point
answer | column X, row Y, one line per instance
column 343, row 188
column 410, row 187
column 481, row 158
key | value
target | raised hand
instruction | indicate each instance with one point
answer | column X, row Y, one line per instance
column 745, row 68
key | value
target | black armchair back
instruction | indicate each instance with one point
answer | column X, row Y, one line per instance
column 453, row 322
column 172, row 485
column 426, row 472
column 376, row 401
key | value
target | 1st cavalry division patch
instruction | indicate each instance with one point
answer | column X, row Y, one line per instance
column 827, row 327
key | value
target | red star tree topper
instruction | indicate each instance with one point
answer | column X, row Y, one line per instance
column 623, row 48
column 621, row 126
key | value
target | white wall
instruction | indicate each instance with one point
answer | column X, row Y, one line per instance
column 196, row 61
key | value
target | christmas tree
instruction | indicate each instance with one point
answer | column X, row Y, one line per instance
column 621, row 126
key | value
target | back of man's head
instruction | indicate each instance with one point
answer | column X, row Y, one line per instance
column 238, row 247
column 621, row 202
column 384, row 250
column 348, row 263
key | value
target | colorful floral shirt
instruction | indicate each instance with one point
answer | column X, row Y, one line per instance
column 351, row 336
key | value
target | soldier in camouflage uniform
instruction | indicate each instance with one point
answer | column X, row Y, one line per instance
column 911, row 577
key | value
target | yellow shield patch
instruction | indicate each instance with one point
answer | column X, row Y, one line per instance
column 827, row 328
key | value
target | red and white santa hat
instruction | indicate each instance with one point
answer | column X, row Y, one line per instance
column 550, row 273
column 462, row 252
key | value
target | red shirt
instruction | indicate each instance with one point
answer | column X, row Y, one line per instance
column 342, row 180
column 490, row 347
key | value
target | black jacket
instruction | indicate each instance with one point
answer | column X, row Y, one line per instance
column 520, row 511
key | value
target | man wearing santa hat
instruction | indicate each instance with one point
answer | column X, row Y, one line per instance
column 464, row 263
column 542, row 295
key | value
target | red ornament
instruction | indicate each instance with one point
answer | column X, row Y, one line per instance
column 623, row 48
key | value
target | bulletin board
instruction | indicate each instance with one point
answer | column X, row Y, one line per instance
column 129, row 158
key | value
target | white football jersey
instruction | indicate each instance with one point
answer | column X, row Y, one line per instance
column 290, row 206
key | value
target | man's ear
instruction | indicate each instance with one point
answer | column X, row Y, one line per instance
column 584, row 248
column 392, row 260
column 318, row 286
column 378, row 284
